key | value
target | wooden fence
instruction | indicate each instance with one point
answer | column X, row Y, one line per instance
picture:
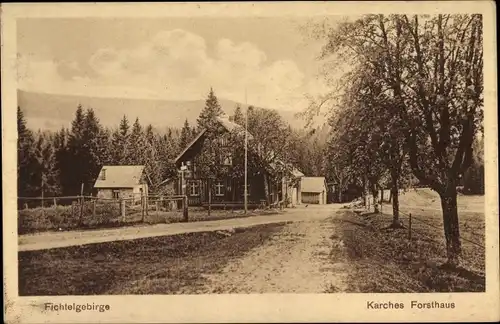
column 70, row 212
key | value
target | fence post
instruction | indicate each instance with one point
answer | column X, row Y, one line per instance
column 185, row 208
column 81, row 209
column 409, row 227
column 55, row 202
column 143, row 204
column 146, row 203
column 94, row 202
column 122, row 208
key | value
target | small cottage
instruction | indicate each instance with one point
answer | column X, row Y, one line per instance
column 313, row 190
column 121, row 181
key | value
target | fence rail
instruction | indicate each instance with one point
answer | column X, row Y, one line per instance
column 412, row 217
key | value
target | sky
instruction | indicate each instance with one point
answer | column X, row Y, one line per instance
column 172, row 58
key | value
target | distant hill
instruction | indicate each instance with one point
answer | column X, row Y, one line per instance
column 52, row 111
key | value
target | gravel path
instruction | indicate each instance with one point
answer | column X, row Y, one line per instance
column 302, row 258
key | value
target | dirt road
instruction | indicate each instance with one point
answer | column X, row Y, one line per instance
column 49, row 240
column 304, row 257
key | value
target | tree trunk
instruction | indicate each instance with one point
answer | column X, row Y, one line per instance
column 266, row 188
column 340, row 191
column 451, row 225
column 365, row 195
column 395, row 200
column 374, row 191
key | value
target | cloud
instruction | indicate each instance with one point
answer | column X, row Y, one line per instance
column 177, row 65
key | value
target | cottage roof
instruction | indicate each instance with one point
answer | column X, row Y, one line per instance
column 120, row 176
column 296, row 173
column 313, row 184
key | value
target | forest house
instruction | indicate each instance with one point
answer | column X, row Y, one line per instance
column 211, row 168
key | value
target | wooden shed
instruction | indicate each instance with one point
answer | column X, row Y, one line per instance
column 313, row 190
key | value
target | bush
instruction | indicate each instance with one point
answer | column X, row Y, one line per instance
column 473, row 180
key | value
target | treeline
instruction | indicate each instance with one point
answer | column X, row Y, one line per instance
column 58, row 163
column 411, row 110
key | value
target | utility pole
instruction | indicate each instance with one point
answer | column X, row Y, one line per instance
column 246, row 153
column 184, row 196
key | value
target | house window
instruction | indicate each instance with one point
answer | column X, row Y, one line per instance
column 194, row 188
column 219, row 189
column 228, row 159
column 188, row 173
column 116, row 194
column 223, row 141
column 103, row 174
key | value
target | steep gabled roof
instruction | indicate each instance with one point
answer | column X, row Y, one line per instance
column 120, row 176
column 196, row 139
column 313, row 184
column 231, row 126
column 224, row 122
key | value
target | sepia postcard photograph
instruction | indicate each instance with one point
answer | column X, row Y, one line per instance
column 250, row 162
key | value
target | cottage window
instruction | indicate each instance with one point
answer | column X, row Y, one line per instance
column 103, row 174
column 228, row 159
column 194, row 188
column 116, row 194
column 219, row 189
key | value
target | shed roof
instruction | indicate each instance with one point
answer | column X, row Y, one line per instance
column 120, row 176
column 313, row 184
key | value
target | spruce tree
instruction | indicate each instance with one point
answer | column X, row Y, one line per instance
column 185, row 135
column 151, row 160
column 104, row 148
column 63, row 160
column 75, row 168
column 137, row 144
column 25, row 156
column 91, row 162
column 211, row 110
column 120, row 143
column 238, row 117
column 45, row 175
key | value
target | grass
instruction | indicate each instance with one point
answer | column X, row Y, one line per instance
column 108, row 215
column 386, row 261
column 67, row 217
column 430, row 199
column 160, row 265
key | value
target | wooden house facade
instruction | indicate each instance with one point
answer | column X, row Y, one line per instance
column 226, row 190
